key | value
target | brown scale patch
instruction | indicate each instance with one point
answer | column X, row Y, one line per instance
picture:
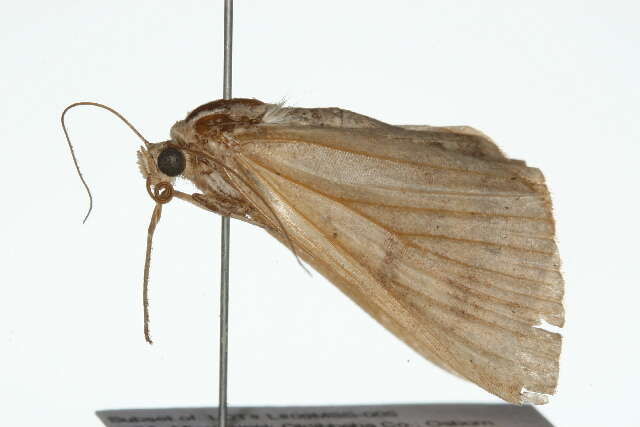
column 216, row 124
column 222, row 103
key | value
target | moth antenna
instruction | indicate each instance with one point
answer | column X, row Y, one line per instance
column 263, row 200
column 155, row 218
column 73, row 154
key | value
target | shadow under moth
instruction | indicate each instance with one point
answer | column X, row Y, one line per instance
column 431, row 230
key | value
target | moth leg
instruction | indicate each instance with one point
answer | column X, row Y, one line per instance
column 225, row 205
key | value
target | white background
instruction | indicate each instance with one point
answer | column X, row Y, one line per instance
column 554, row 83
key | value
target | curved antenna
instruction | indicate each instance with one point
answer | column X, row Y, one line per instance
column 73, row 154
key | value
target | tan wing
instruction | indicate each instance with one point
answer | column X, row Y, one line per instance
column 451, row 251
column 470, row 140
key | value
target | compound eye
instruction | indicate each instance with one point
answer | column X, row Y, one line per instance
column 171, row 161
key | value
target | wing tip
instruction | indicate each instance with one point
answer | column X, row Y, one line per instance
column 533, row 397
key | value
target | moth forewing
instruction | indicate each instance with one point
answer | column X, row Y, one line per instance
column 433, row 231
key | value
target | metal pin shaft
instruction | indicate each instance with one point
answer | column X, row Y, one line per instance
column 224, row 261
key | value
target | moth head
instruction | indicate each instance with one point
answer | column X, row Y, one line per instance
column 162, row 162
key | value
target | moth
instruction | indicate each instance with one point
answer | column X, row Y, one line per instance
column 433, row 231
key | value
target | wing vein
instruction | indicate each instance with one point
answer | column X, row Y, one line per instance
column 478, row 242
column 446, row 211
column 264, row 138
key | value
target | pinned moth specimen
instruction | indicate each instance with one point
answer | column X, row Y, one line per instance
column 431, row 230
